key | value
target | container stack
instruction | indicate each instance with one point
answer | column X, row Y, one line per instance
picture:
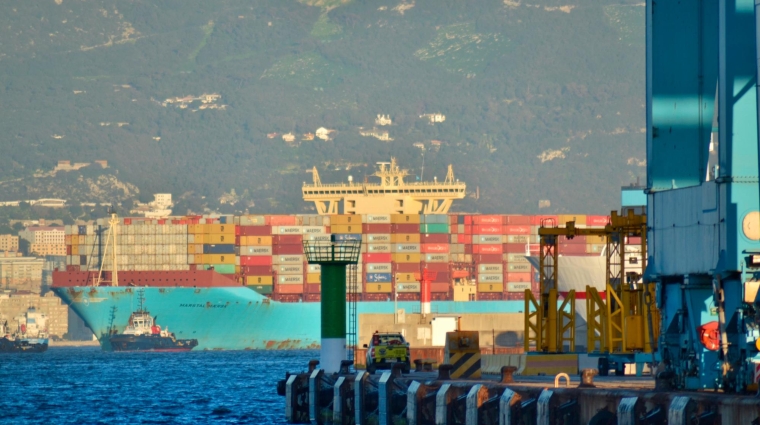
column 473, row 257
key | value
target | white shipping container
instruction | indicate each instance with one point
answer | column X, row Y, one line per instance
column 517, row 286
column 376, row 218
column 289, row 269
column 286, row 230
column 292, row 279
column 288, row 259
column 516, row 258
column 406, row 247
column 407, row 287
column 490, row 268
column 436, row 258
column 314, row 268
column 487, row 239
column 518, row 238
column 313, row 230
column 325, row 237
column 490, row 278
column 256, row 250
column 377, row 238
column 379, row 268
column 379, row 247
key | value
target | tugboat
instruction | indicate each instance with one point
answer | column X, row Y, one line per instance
column 30, row 335
column 144, row 334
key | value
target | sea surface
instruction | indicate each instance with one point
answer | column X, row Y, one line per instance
column 83, row 385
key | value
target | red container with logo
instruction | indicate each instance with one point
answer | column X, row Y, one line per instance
column 546, row 220
column 518, row 277
column 486, row 219
column 281, row 220
column 434, row 248
column 486, row 229
column 487, row 249
column 517, row 229
column 597, row 220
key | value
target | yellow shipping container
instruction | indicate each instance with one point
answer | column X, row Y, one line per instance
column 406, row 258
column 405, row 277
column 564, row 218
column 375, row 288
column 219, row 238
column 490, row 287
column 199, row 238
column 219, row 258
column 346, row 228
column 258, row 280
column 405, row 218
column 256, row 240
column 341, row 219
column 195, row 228
column 595, row 240
column 405, row 238
column 212, row 229
column 313, row 278
column 198, row 259
column 237, row 269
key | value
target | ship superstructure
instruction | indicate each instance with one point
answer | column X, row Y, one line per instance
column 392, row 195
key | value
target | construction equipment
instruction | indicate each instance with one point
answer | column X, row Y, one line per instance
column 617, row 322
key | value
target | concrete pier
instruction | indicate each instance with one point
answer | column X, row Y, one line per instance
column 430, row 398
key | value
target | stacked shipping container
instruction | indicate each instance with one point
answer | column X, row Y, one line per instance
column 265, row 253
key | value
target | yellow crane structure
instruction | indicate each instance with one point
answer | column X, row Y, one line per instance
column 616, row 322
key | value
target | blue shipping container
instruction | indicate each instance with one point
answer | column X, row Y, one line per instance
column 219, row 249
column 82, row 230
column 347, row 237
column 378, row 277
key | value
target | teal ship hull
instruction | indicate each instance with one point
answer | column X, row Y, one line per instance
column 231, row 318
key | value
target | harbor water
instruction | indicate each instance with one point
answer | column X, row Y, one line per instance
column 83, row 385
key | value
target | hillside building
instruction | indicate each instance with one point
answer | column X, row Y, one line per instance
column 21, row 273
column 13, row 305
column 383, row 120
column 9, row 243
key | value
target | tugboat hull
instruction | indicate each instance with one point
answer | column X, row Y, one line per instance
column 124, row 342
column 33, row 345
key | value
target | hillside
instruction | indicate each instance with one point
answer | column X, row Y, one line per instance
column 543, row 100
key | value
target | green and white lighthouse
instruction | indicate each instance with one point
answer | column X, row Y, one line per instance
column 333, row 256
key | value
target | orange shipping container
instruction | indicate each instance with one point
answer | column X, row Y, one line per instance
column 314, row 278
column 281, row 220
column 258, row 280
column 376, row 288
column 518, row 277
column 405, row 218
column 405, row 277
column 219, row 238
column 256, row 240
column 405, row 238
column 346, row 228
column 211, row 229
column 564, row 218
column 344, row 219
column 290, row 289
column 406, row 258
column 490, row 287
column 219, row 258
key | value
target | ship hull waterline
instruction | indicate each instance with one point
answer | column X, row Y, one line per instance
column 232, row 318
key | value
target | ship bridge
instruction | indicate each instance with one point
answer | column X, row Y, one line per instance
column 392, row 195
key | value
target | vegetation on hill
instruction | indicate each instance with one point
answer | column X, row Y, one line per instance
column 543, row 100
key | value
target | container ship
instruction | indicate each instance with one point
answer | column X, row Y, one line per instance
column 242, row 282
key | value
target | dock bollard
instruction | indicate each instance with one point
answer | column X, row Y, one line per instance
column 313, row 365
column 418, row 365
column 427, row 366
column 345, row 367
column 444, row 372
column 507, row 374
column 587, row 378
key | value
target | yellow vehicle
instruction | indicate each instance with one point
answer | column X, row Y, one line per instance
column 385, row 349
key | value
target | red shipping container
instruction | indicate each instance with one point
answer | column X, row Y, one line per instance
column 517, row 219
column 576, row 239
column 289, row 289
column 487, row 249
column 468, row 248
column 435, row 267
column 434, row 238
column 237, row 239
column 465, row 239
column 434, row 248
column 127, row 221
column 282, row 220
column 442, row 277
column 255, row 230
column 312, row 288
column 68, row 249
column 287, row 249
column 406, row 267
column 453, row 220
column 237, row 230
column 255, row 260
column 467, row 229
column 486, row 258
column 380, row 228
column 514, row 248
column 634, row 240
column 486, row 229
column 256, row 270
column 376, row 258
column 468, row 220
column 572, row 248
column 287, row 239
column 518, row 277
column 597, row 220
column 439, row 287
column 517, row 229
column 405, row 228
column 546, row 220
column 487, row 219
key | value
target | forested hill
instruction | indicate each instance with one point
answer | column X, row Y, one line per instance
column 543, row 99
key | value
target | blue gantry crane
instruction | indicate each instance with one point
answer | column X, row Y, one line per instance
column 703, row 195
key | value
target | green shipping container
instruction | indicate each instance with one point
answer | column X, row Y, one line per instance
column 263, row 290
column 221, row 268
column 434, row 219
column 434, row 228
